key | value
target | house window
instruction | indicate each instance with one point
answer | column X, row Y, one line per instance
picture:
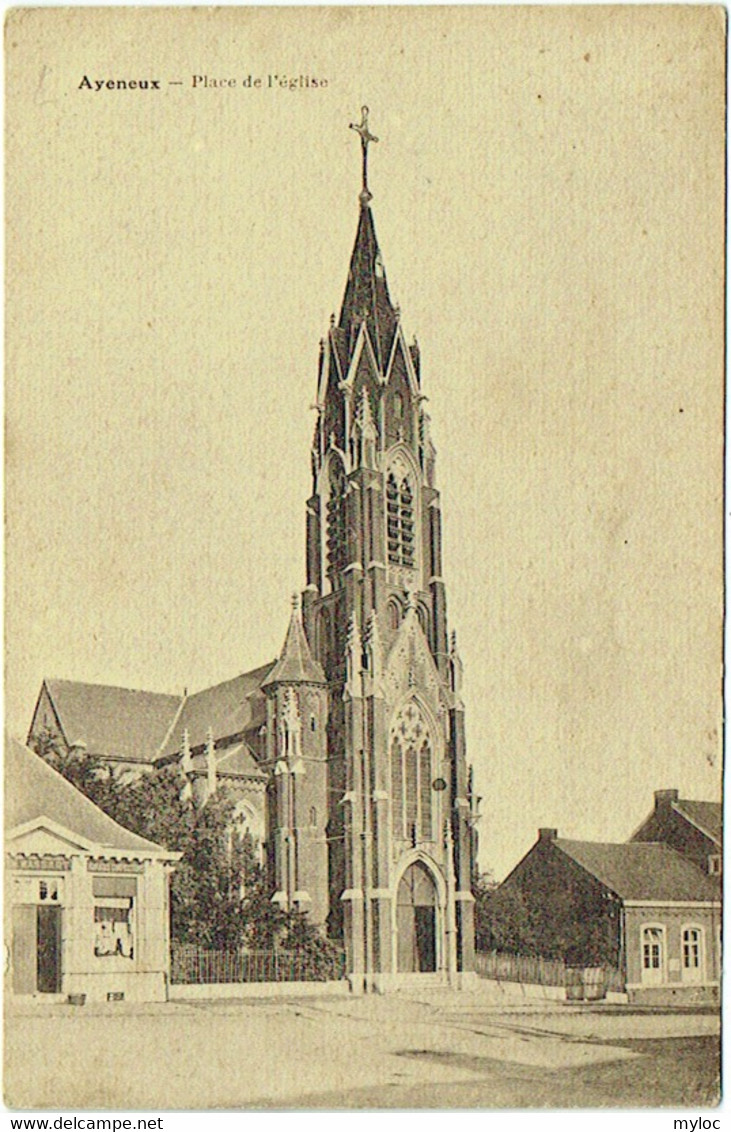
column 653, row 954
column 114, row 920
column 691, row 948
column 714, row 863
column 692, row 945
column 411, row 776
column 113, row 927
column 652, row 949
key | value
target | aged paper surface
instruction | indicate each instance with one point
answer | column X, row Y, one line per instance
column 548, row 188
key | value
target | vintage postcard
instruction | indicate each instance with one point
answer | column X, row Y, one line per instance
column 364, row 560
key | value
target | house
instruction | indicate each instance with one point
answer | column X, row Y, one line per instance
column 695, row 829
column 348, row 754
column 639, row 907
column 86, row 901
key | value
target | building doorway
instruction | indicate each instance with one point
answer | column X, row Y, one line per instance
column 416, row 920
column 36, row 949
column 48, row 954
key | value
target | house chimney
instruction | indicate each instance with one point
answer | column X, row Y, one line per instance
column 547, row 834
column 664, row 798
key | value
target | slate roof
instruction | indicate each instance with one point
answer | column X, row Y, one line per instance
column 239, row 759
column 641, row 870
column 118, row 722
column 366, row 294
column 33, row 789
column 708, row 816
column 296, row 664
column 227, row 708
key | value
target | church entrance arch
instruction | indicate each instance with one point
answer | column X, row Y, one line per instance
column 416, row 920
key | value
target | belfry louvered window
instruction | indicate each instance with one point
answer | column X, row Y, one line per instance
column 400, row 521
column 411, row 776
column 336, row 533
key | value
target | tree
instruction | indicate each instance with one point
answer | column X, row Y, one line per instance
column 87, row 773
column 503, row 920
column 220, row 897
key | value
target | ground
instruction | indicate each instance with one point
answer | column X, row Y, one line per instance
column 421, row 1050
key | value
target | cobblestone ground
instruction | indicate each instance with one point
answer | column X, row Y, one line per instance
column 421, row 1051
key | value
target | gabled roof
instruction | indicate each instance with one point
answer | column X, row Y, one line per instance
column 239, row 760
column 227, row 708
column 366, row 293
column 641, row 870
column 34, row 790
column 707, row 816
column 296, row 664
column 118, row 722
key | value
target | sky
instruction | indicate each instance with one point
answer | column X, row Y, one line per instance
column 548, row 195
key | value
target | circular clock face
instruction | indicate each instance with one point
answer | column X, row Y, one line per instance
column 439, row 784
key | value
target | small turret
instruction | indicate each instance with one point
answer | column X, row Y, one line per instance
column 296, row 663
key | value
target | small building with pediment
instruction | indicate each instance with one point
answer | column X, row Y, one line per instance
column 86, row 901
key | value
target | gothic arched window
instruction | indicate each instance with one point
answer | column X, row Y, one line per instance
column 400, row 520
column 247, row 829
column 411, row 775
column 336, row 532
column 394, row 615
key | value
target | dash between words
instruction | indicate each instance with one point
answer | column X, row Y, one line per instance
column 208, row 82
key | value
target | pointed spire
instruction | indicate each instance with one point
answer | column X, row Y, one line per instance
column 353, row 655
column 186, row 759
column 186, row 768
column 366, row 294
column 364, row 432
column 456, row 667
column 211, row 762
column 296, row 663
column 373, row 649
column 290, row 726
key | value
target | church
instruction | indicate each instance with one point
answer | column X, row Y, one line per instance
column 347, row 752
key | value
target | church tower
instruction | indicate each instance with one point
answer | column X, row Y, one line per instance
column 399, row 812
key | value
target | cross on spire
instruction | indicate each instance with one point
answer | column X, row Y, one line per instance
column 365, row 138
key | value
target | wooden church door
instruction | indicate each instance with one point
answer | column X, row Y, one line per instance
column 416, row 921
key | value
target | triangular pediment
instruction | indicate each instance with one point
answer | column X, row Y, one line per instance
column 44, row 836
column 410, row 667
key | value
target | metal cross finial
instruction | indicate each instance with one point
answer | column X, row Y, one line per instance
column 365, row 138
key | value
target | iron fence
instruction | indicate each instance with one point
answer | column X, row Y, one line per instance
column 191, row 964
